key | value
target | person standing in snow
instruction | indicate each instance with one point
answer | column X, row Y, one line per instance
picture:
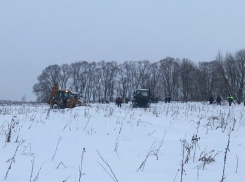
column 230, row 99
column 211, row 99
column 218, row 100
column 119, row 102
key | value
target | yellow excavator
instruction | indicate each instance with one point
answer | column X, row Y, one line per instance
column 61, row 99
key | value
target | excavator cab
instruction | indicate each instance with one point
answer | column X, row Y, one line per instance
column 63, row 96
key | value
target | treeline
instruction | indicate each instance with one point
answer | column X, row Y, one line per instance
column 181, row 79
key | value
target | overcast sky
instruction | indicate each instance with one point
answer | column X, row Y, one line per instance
column 36, row 34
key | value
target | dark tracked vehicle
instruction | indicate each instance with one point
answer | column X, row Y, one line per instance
column 142, row 98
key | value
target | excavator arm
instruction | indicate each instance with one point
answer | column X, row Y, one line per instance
column 53, row 93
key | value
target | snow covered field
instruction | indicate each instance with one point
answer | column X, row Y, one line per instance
column 102, row 143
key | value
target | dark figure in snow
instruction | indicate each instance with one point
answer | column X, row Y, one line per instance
column 166, row 100
column 107, row 101
column 218, row 100
column 119, row 102
column 102, row 101
column 169, row 99
column 230, row 99
column 211, row 100
column 99, row 100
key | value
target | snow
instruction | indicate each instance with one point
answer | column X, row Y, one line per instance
column 51, row 142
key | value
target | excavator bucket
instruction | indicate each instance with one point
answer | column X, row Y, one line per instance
column 53, row 93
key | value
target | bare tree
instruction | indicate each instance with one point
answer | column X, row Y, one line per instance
column 205, row 80
column 109, row 71
column 169, row 71
column 154, row 79
column 232, row 72
column 92, row 82
column 240, row 74
column 187, row 72
column 75, row 72
column 64, row 76
column 143, row 70
column 50, row 75
column 169, row 77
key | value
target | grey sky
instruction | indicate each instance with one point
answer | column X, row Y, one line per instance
column 36, row 34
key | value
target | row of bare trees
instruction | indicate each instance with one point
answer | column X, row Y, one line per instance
column 181, row 79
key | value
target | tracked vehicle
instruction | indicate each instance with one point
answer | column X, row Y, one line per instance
column 141, row 98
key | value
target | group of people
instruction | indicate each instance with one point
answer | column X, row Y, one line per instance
column 167, row 99
column 218, row 100
column 102, row 101
column 118, row 101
